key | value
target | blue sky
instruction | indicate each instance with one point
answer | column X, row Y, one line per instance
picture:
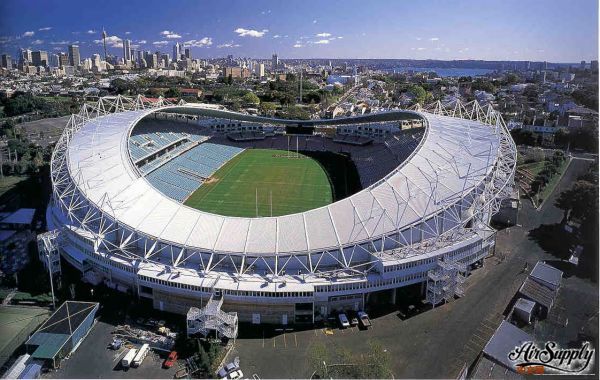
column 552, row 30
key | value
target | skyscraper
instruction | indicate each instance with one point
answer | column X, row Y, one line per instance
column 274, row 62
column 188, row 53
column 6, row 61
column 54, row 60
column 126, row 51
column 26, row 55
column 74, row 57
column 260, row 70
column 176, row 52
column 39, row 58
column 63, row 60
column 104, row 43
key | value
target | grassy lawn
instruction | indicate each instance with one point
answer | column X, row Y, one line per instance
column 295, row 185
column 534, row 167
column 547, row 190
column 8, row 182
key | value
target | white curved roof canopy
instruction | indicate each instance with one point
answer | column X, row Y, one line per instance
column 454, row 156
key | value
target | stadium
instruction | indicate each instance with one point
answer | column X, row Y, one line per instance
column 284, row 221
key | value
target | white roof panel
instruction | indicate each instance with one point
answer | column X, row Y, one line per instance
column 455, row 155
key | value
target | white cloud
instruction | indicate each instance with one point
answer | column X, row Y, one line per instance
column 434, row 39
column 298, row 45
column 322, row 42
column 91, row 31
column 277, row 36
column 340, row 37
column 169, row 34
column 44, row 28
column 127, row 32
column 60, row 43
column 228, row 45
column 265, row 12
column 420, row 48
column 323, row 35
column 250, row 32
column 314, row 21
column 111, row 41
column 160, row 43
column 204, row 42
column 142, row 42
column 28, row 34
column 418, row 38
column 37, row 42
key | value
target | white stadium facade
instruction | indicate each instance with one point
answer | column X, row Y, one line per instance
column 423, row 222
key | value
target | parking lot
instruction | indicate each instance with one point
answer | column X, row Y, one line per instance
column 437, row 343
column 93, row 359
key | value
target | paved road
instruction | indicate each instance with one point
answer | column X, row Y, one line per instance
column 436, row 343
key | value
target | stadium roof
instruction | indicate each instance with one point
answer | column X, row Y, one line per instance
column 454, row 157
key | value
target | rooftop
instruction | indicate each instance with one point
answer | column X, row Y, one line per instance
column 506, row 337
column 21, row 216
column 546, row 274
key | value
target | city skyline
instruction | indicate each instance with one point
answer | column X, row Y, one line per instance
column 531, row 30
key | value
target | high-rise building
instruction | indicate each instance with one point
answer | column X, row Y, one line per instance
column 594, row 65
column 176, row 52
column 188, row 53
column 274, row 62
column 74, row 56
column 104, row 43
column 126, row 51
column 259, row 70
column 96, row 63
column 7, row 61
column 63, row 60
column 26, row 55
column 39, row 58
column 582, row 65
column 54, row 60
column 165, row 59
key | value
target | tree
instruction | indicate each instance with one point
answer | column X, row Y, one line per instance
column 251, row 98
column 267, row 108
column 581, row 200
column 173, row 92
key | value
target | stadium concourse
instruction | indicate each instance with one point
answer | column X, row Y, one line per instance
column 431, row 179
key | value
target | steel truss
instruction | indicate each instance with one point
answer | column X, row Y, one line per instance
column 110, row 238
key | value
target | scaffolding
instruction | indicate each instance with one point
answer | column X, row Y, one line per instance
column 444, row 283
column 211, row 318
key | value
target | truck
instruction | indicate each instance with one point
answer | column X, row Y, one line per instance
column 128, row 358
column 141, row 355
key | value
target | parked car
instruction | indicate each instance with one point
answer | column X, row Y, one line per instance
column 170, row 360
column 228, row 370
column 343, row 320
column 364, row 319
column 237, row 374
column 116, row 343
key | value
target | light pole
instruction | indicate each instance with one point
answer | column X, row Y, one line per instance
column 51, row 283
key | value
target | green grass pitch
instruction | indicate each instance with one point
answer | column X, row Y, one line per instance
column 290, row 184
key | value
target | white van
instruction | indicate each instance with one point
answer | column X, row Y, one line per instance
column 128, row 358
